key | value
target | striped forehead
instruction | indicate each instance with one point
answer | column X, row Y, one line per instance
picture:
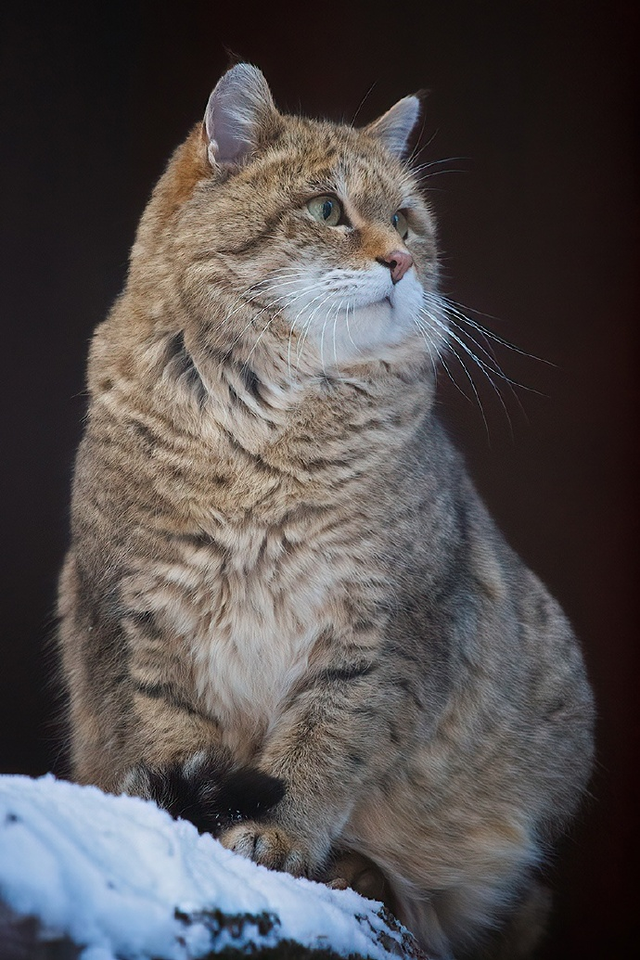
column 373, row 188
column 357, row 171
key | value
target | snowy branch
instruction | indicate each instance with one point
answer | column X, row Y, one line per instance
column 85, row 874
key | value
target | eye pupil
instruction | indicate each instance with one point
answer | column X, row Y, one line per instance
column 399, row 221
column 326, row 209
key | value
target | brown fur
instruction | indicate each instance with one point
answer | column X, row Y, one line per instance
column 278, row 558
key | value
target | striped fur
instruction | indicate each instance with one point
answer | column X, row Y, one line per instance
column 278, row 562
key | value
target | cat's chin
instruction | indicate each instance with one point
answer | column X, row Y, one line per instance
column 389, row 329
column 376, row 332
column 381, row 325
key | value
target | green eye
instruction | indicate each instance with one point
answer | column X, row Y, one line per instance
column 326, row 210
column 400, row 223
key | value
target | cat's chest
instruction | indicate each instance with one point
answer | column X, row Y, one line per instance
column 256, row 604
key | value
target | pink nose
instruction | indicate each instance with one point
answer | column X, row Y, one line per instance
column 398, row 262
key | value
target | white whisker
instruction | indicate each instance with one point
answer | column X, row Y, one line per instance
column 432, row 350
column 335, row 324
column 450, row 307
column 466, row 372
column 481, row 364
column 354, row 344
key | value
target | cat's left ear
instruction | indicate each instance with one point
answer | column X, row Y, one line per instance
column 394, row 128
column 240, row 114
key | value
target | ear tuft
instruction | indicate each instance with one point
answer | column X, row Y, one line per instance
column 395, row 127
column 239, row 113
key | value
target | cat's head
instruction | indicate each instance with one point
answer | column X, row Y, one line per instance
column 306, row 233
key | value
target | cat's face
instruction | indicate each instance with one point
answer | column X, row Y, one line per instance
column 319, row 228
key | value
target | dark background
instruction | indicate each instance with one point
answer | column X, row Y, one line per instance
column 532, row 108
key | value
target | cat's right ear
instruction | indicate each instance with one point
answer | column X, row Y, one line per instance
column 240, row 115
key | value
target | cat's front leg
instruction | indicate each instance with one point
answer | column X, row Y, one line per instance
column 136, row 724
column 325, row 748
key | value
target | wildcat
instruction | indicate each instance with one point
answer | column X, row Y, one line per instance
column 285, row 613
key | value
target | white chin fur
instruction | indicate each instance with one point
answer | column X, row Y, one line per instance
column 349, row 316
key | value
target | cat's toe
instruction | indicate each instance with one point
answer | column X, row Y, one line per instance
column 270, row 846
column 338, row 883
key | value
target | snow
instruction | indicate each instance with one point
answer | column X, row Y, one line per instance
column 124, row 880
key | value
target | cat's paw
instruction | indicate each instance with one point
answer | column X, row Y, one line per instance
column 354, row 870
column 206, row 790
column 270, row 846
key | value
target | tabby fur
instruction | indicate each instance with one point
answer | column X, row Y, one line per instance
column 285, row 610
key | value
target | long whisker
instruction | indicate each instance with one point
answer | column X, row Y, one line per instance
column 452, row 310
column 495, row 368
column 251, row 294
column 335, row 325
column 257, row 315
column 451, row 307
column 324, row 327
column 295, row 320
column 481, row 364
column 257, row 341
column 362, row 103
column 465, row 371
column 432, row 350
column 491, row 363
column 355, row 345
column 437, row 163
column 426, row 171
column 305, row 330
column 420, row 148
column 323, row 297
column 270, row 307
column 441, row 357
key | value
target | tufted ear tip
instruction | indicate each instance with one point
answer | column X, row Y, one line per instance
column 239, row 111
column 394, row 128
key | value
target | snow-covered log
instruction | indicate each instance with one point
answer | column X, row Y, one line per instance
column 85, row 874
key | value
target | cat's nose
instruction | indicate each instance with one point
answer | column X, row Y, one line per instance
column 398, row 262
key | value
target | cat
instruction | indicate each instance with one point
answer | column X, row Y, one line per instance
column 285, row 613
